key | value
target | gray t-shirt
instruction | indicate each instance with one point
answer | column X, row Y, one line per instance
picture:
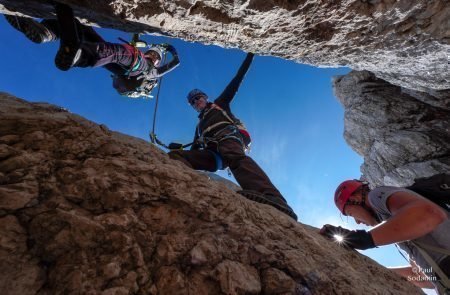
column 440, row 237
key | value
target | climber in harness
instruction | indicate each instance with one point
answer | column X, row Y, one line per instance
column 135, row 73
column 220, row 141
column 418, row 224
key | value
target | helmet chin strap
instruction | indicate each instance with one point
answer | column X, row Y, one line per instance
column 362, row 203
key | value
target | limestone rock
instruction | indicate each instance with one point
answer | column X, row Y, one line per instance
column 111, row 214
column 404, row 42
column 402, row 134
column 236, row 278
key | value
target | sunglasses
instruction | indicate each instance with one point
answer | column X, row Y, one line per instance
column 194, row 99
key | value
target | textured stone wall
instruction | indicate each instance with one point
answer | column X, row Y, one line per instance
column 402, row 134
column 84, row 210
column 402, row 41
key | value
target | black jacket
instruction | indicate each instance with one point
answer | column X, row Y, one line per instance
column 210, row 116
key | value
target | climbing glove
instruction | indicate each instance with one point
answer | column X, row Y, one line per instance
column 355, row 239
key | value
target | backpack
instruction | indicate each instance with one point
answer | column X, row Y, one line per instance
column 435, row 188
column 134, row 86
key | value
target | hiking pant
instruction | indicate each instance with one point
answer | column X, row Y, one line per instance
column 97, row 52
column 130, row 60
column 245, row 170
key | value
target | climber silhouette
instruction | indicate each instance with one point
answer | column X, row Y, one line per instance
column 220, row 141
column 134, row 72
column 399, row 215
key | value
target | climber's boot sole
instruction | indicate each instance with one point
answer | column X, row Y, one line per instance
column 269, row 200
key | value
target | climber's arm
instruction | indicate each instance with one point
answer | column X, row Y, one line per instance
column 412, row 217
column 229, row 92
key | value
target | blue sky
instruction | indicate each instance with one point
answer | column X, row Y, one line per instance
column 295, row 121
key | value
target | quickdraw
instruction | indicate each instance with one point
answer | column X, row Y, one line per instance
column 172, row 146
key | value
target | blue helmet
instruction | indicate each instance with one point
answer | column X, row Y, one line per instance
column 195, row 93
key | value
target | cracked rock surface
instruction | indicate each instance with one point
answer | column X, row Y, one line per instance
column 84, row 210
column 404, row 42
column 402, row 134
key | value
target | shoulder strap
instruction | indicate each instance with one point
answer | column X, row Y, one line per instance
column 214, row 106
column 223, row 112
column 432, row 248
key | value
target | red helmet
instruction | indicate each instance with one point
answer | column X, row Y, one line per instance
column 344, row 191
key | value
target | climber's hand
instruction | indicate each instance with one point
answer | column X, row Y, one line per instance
column 330, row 231
column 355, row 239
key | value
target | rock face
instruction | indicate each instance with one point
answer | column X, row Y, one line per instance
column 84, row 210
column 404, row 42
column 402, row 134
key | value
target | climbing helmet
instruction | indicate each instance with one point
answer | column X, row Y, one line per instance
column 344, row 191
column 156, row 52
column 195, row 94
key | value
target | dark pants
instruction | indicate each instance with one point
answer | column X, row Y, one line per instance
column 116, row 58
column 247, row 173
column 106, row 54
column 445, row 266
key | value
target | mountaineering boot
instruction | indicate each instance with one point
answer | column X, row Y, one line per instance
column 277, row 202
column 69, row 51
column 34, row 31
column 67, row 57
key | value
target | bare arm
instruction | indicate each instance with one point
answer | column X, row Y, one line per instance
column 412, row 218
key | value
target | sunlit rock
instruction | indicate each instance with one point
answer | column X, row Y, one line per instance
column 106, row 213
column 402, row 134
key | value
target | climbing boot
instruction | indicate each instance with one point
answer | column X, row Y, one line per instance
column 69, row 51
column 277, row 202
column 34, row 31
column 67, row 56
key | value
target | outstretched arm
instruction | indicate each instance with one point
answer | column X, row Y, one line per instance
column 230, row 91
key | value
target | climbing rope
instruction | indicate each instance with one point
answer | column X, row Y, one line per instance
column 153, row 138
